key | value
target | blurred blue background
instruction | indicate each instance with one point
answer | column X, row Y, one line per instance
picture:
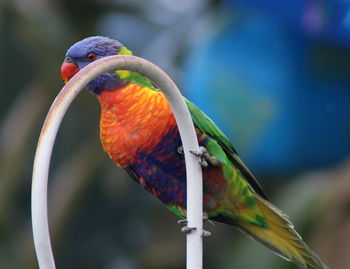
column 274, row 75
column 265, row 80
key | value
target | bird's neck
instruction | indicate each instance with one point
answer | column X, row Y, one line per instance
column 133, row 118
column 119, row 79
column 105, row 82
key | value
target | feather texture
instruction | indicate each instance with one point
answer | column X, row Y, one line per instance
column 139, row 133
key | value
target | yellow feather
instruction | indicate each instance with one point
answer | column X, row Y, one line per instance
column 281, row 236
column 124, row 51
column 123, row 73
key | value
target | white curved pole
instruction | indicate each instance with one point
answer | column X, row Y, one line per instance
column 48, row 134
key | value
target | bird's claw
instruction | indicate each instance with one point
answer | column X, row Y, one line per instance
column 187, row 229
column 205, row 157
column 205, row 233
column 200, row 154
column 182, row 222
column 203, row 154
column 180, row 150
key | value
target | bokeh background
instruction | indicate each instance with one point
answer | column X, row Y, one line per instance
column 273, row 74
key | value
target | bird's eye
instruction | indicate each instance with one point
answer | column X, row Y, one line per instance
column 91, row 56
column 68, row 59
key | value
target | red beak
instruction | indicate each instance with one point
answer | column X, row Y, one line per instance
column 68, row 70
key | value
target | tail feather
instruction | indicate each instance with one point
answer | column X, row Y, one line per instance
column 281, row 237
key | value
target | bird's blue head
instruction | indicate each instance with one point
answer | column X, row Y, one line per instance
column 86, row 51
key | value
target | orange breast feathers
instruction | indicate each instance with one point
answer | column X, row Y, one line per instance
column 133, row 119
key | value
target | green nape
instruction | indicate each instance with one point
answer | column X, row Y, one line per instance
column 133, row 77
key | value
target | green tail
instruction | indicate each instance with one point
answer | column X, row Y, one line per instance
column 279, row 236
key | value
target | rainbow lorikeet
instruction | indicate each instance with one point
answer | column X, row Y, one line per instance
column 139, row 133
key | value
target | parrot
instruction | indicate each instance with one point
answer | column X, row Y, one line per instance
column 139, row 133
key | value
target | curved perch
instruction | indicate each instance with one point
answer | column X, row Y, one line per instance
column 48, row 135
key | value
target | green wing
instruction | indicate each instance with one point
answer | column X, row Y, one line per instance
column 207, row 126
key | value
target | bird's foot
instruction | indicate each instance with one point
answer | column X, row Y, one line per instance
column 205, row 233
column 186, row 229
column 182, row 222
column 205, row 157
column 180, row 150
